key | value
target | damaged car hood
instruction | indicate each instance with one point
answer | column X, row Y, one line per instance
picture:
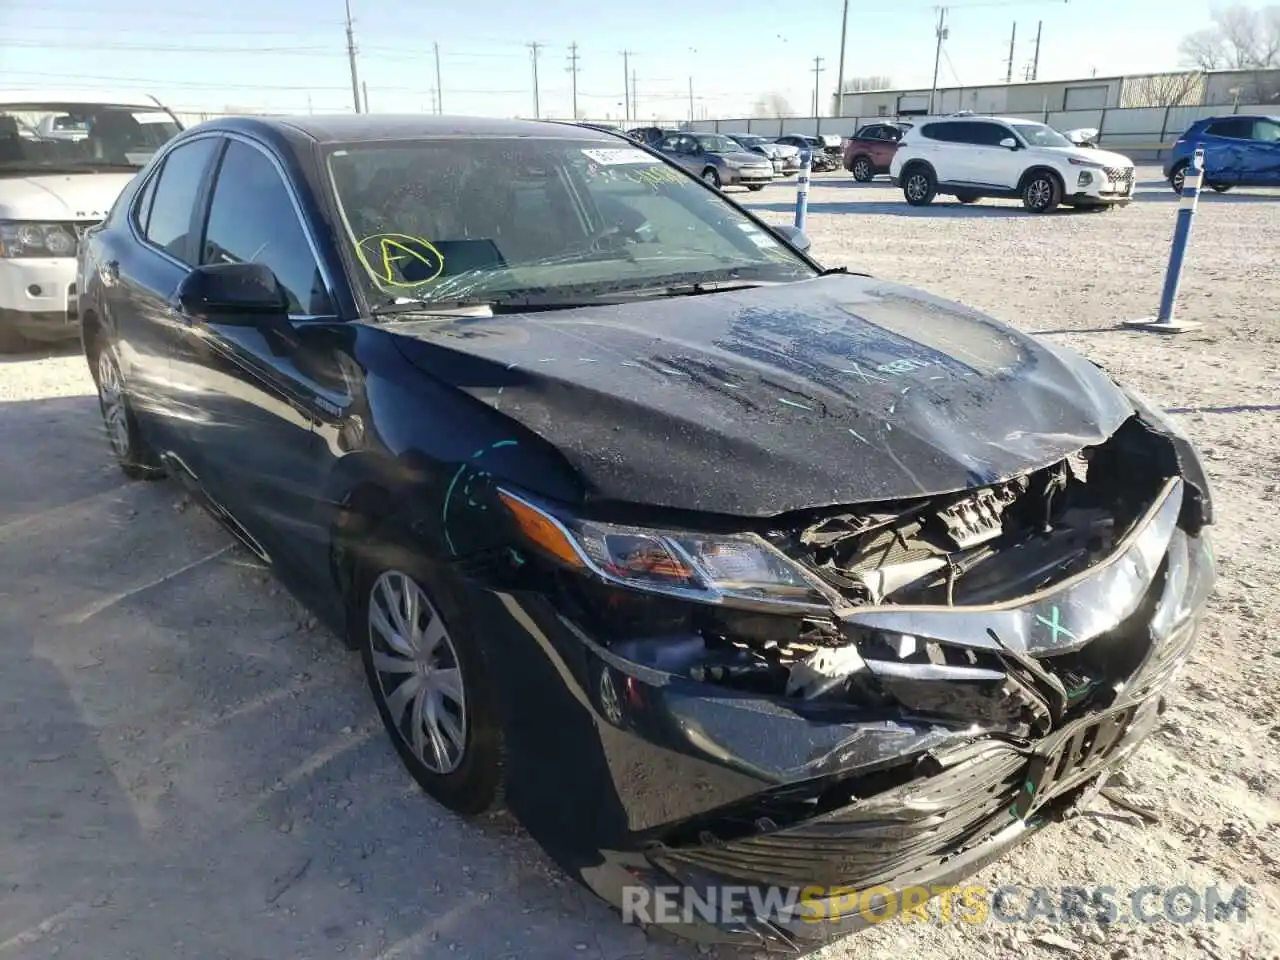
column 754, row 402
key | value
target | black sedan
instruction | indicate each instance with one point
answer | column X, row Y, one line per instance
column 729, row 570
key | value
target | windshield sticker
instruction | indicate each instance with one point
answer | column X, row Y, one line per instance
column 153, row 117
column 612, row 156
column 656, row 175
column 399, row 260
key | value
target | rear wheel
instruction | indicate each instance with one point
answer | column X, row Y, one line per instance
column 919, row 186
column 862, row 169
column 429, row 681
column 1041, row 193
column 710, row 177
column 137, row 460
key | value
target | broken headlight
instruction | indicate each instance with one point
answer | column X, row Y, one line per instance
column 1190, row 466
column 731, row 569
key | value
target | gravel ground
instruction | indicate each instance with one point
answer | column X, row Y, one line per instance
column 195, row 770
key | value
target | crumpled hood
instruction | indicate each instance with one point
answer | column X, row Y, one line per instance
column 742, row 157
column 836, row 390
column 60, row 196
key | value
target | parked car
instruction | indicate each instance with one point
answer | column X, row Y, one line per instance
column 784, row 157
column 820, row 159
column 650, row 136
column 974, row 157
column 1239, row 151
column 870, row 150
column 61, row 167
column 731, row 570
column 718, row 160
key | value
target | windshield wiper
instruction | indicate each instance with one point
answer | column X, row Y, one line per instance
column 443, row 308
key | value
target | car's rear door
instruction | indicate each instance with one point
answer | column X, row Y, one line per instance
column 1225, row 144
column 1262, row 155
column 260, row 388
column 142, row 265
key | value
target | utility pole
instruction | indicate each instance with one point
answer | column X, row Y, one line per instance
column 937, row 55
column 626, row 85
column 635, row 108
column 1013, row 39
column 364, row 87
column 351, row 56
column 439, row 95
column 573, row 69
column 533, row 51
column 844, row 28
column 691, row 102
column 1035, row 64
column 817, row 74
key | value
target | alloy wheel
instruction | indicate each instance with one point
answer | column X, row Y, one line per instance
column 862, row 170
column 111, row 399
column 917, row 186
column 1178, row 179
column 1039, row 193
column 419, row 675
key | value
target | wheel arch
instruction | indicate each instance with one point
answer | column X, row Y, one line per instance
column 917, row 164
column 1041, row 168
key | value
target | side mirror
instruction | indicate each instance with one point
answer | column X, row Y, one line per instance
column 1009, row 143
column 233, row 293
column 794, row 236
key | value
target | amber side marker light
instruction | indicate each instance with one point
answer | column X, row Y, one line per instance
column 540, row 529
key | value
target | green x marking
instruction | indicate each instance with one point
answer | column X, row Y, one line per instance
column 1056, row 625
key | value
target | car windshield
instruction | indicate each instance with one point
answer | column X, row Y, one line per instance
column 751, row 141
column 75, row 137
column 1039, row 135
column 718, row 144
column 557, row 220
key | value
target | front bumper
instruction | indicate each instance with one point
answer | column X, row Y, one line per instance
column 742, row 176
column 1107, row 186
column 631, row 776
column 38, row 297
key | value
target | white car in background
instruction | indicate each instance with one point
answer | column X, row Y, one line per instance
column 63, row 162
column 972, row 157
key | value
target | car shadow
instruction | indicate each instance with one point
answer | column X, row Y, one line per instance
column 35, row 350
column 1210, row 196
column 185, row 744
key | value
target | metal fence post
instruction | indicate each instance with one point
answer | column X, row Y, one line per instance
column 1164, row 321
column 802, row 188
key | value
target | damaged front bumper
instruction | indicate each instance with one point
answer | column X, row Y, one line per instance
column 630, row 773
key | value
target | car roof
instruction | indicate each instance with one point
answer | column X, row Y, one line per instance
column 1238, row 116
column 349, row 127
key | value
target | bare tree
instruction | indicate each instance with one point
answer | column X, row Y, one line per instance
column 1240, row 38
column 1164, row 90
column 772, row 105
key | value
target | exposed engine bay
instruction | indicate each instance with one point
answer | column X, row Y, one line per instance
column 991, row 545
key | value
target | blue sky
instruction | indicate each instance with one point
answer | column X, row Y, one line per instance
column 290, row 55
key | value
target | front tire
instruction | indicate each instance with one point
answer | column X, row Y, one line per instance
column 919, row 186
column 137, row 460
column 429, row 680
column 862, row 169
column 1177, row 177
column 711, row 178
column 1042, row 193
column 755, row 187
column 1219, row 187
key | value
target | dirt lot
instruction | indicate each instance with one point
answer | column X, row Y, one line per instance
column 194, row 770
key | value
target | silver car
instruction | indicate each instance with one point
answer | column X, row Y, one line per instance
column 785, row 158
column 718, row 160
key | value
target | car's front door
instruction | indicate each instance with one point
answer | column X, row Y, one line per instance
column 142, row 266
column 261, row 387
column 982, row 158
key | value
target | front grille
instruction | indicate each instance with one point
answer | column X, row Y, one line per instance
column 878, row 838
column 1119, row 174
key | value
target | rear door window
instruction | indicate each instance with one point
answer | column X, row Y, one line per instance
column 1235, row 128
column 173, row 201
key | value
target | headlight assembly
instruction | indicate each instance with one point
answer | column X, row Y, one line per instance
column 732, row 569
column 23, row 239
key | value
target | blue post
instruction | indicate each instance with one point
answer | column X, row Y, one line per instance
column 1164, row 321
column 802, row 188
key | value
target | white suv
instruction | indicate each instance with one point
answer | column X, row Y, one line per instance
column 63, row 161
column 974, row 157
